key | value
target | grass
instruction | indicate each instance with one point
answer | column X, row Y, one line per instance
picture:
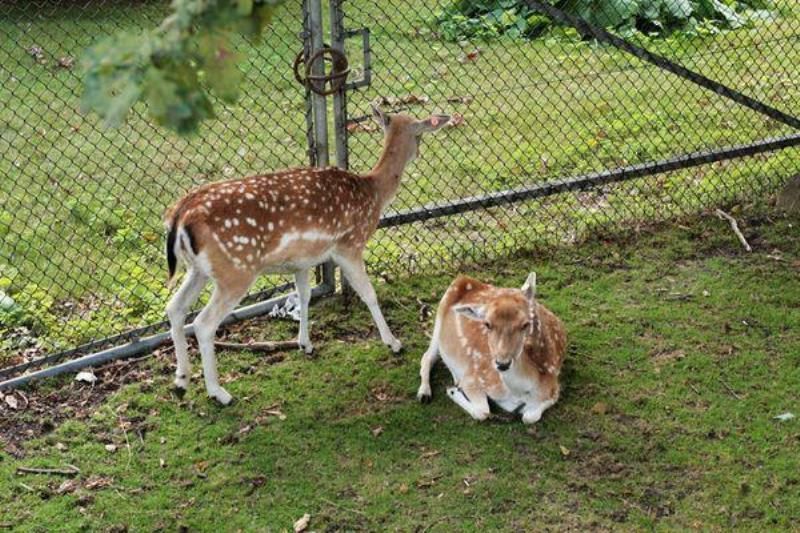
column 80, row 209
column 682, row 350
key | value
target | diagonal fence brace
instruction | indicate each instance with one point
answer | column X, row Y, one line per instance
column 604, row 36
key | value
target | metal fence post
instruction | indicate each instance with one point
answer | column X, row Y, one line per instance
column 340, row 105
column 319, row 112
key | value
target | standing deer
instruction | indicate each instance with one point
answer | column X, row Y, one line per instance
column 500, row 345
column 231, row 232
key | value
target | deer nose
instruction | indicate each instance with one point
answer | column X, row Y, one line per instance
column 502, row 367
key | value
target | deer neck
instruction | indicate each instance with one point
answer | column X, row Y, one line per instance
column 388, row 170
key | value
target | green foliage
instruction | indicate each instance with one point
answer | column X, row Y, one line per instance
column 486, row 19
column 176, row 66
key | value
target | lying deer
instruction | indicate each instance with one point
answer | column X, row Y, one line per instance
column 500, row 345
column 231, row 232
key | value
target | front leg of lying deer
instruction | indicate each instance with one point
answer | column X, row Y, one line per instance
column 533, row 412
column 475, row 403
column 428, row 360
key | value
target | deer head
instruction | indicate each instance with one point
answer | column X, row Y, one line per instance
column 402, row 136
column 509, row 319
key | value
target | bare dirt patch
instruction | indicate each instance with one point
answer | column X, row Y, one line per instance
column 37, row 410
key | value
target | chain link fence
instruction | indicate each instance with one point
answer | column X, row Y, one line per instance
column 553, row 136
column 531, row 111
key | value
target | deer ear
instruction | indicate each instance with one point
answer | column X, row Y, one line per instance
column 473, row 312
column 380, row 117
column 432, row 123
column 529, row 288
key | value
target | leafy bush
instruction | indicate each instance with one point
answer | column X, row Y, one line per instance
column 486, row 19
column 176, row 66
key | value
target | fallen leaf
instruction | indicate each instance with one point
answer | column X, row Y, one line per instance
column 460, row 99
column 377, row 431
column 66, row 62
column 365, row 126
column 68, row 486
column 470, row 56
column 60, row 446
column 456, row 119
column 564, row 450
column 11, row 401
column 162, row 463
column 86, row 376
column 276, row 412
column 111, row 448
column 411, row 99
column 432, row 453
column 783, row 417
column 302, row 523
column 97, row 482
column 425, row 483
column 37, row 53
column 600, row 408
column 403, row 488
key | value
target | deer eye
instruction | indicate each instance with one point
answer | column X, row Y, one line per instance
column 488, row 326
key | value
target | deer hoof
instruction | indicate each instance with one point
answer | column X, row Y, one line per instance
column 424, row 394
column 531, row 417
column 307, row 349
column 222, row 396
column 181, row 381
column 396, row 346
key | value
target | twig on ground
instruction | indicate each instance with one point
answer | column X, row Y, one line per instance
column 730, row 389
column 439, row 520
column 71, row 471
column 694, row 389
column 342, row 507
column 735, row 227
column 273, row 346
column 125, row 431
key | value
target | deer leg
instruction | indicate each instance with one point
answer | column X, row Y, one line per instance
column 177, row 309
column 429, row 358
column 304, row 295
column 356, row 274
column 223, row 300
column 533, row 413
column 473, row 401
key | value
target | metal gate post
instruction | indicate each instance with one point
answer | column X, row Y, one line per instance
column 314, row 41
column 340, row 105
column 340, row 96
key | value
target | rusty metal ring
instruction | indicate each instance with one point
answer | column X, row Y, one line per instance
column 316, row 83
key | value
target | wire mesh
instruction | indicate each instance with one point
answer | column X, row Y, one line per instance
column 80, row 206
column 532, row 109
